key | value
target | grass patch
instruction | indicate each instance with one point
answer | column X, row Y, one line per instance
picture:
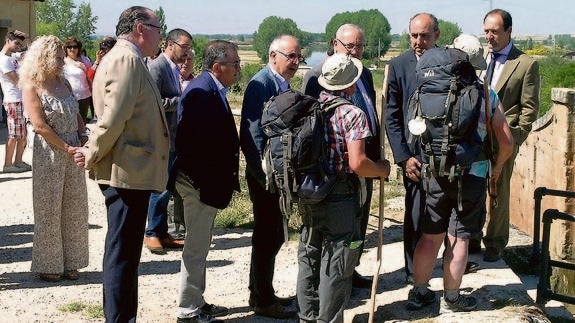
column 88, row 310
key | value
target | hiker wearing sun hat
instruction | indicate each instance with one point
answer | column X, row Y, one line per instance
column 330, row 234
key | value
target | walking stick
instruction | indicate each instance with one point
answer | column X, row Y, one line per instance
column 381, row 197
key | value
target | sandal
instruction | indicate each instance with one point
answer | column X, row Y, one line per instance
column 53, row 278
column 71, row 274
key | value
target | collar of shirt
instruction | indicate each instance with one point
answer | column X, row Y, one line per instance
column 221, row 88
column 282, row 83
column 502, row 54
column 175, row 69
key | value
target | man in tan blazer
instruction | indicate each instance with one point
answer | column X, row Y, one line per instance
column 128, row 152
column 515, row 78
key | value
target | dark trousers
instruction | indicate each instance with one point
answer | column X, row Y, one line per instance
column 127, row 210
column 267, row 240
column 414, row 208
column 365, row 214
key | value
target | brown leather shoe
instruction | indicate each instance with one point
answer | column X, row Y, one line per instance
column 153, row 244
column 275, row 310
column 170, row 242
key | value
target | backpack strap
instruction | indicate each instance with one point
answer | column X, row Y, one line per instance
column 449, row 103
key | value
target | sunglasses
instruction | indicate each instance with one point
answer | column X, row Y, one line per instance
column 72, row 47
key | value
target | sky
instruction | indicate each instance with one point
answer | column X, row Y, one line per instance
column 530, row 17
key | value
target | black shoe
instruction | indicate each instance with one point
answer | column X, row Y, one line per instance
column 461, row 304
column 474, row 247
column 471, row 267
column 358, row 281
column 201, row 318
column 213, row 310
column 491, row 255
column 275, row 310
column 284, row 301
column 416, row 301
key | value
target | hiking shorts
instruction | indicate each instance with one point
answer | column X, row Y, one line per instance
column 441, row 206
column 15, row 120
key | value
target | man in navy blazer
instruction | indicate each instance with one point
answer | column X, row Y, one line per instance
column 165, row 70
column 284, row 56
column 349, row 39
column 205, row 171
column 423, row 33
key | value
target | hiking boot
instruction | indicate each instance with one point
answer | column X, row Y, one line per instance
column 26, row 167
column 461, row 304
column 12, row 169
column 416, row 301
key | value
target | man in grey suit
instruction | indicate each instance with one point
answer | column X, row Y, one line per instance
column 515, row 78
column 349, row 40
column 166, row 72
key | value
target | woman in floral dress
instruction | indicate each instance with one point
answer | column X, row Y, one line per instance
column 60, row 197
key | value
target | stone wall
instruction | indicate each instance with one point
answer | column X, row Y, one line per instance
column 546, row 160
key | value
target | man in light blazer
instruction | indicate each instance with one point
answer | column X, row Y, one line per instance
column 128, row 153
column 516, row 81
column 284, row 56
column 350, row 40
column 205, row 171
column 166, row 72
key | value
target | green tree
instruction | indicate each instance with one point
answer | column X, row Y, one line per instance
column 162, row 19
column 63, row 18
column 448, row 33
column 375, row 27
column 270, row 28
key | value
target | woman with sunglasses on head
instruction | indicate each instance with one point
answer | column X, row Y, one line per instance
column 75, row 71
column 105, row 45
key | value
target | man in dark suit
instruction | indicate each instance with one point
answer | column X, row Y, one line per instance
column 423, row 33
column 284, row 56
column 128, row 154
column 166, row 72
column 515, row 78
column 349, row 40
column 205, row 171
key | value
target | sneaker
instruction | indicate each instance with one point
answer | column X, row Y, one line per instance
column 26, row 167
column 12, row 169
column 214, row 310
column 461, row 304
column 415, row 301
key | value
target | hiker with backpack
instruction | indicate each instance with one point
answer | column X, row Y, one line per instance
column 452, row 116
column 330, row 236
column 284, row 56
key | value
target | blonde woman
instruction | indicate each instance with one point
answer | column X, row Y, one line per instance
column 60, row 201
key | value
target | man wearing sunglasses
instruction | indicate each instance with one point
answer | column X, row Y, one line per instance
column 349, row 39
column 284, row 58
column 165, row 71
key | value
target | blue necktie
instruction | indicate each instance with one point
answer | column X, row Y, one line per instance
column 359, row 101
column 491, row 67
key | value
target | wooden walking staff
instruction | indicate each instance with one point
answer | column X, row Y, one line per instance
column 381, row 197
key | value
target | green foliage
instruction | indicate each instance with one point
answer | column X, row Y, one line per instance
column 91, row 311
column 404, row 43
column 162, row 19
column 555, row 72
column 375, row 27
column 448, row 32
column 63, row 19
column 538, row 50
column 270, row 28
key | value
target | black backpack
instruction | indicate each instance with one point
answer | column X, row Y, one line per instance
column 448, row 100
column 295, row 159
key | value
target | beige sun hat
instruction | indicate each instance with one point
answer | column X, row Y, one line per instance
column 339, row 72
column 472, row 46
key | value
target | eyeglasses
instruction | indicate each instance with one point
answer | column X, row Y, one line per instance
column 185, row 47
column 235, row 64
column 292, row 56
column 72, row 47
column 153, row 26
column 351, row 46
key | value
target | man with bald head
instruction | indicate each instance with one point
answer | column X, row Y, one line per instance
column 284, row 56
column 423, row 33
column 350, row 40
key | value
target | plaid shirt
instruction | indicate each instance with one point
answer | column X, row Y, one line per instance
column 348, row 123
